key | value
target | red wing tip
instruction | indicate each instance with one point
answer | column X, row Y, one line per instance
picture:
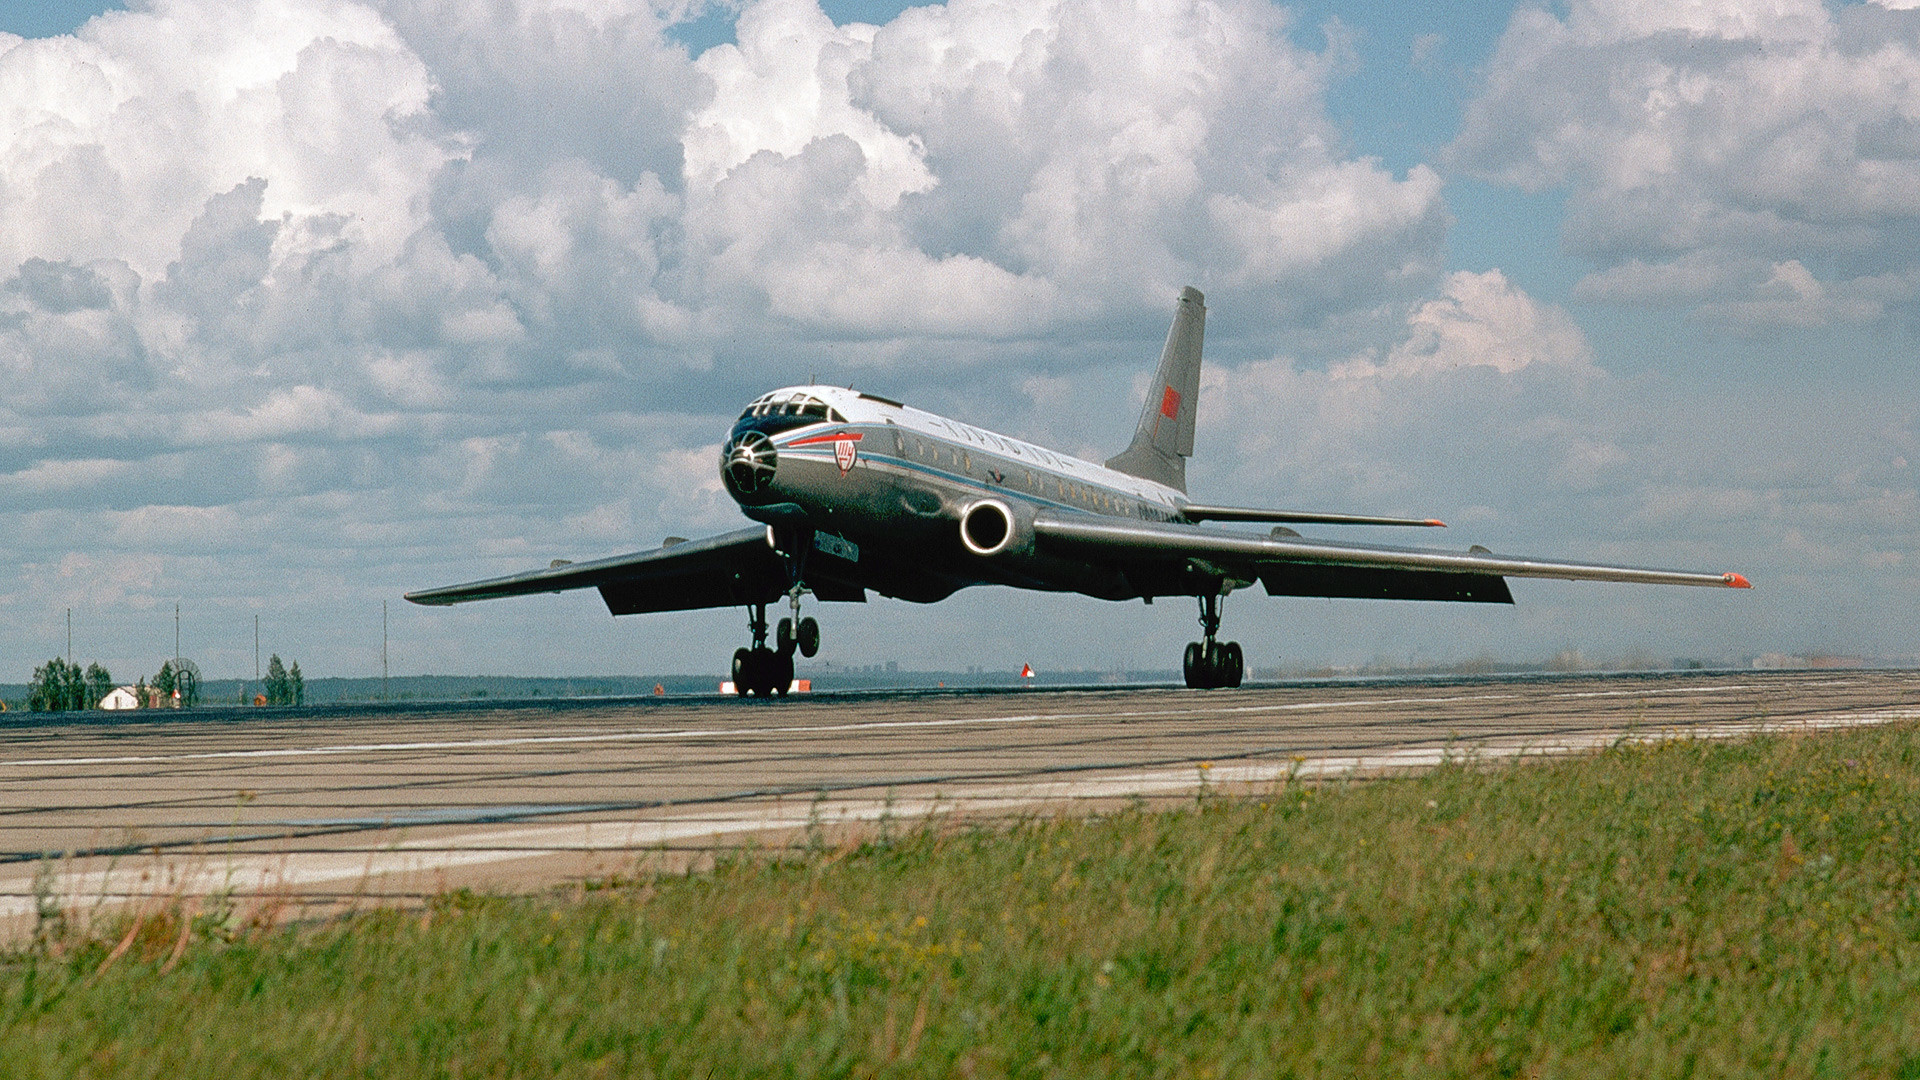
column 1435, row 523
column 1736, row 581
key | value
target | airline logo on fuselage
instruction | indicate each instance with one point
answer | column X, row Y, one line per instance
column 845, row 450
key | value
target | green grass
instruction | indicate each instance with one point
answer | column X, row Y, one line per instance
column 1674, row 910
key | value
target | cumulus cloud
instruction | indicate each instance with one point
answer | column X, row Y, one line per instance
column 1481, row 320
column 1715, row 152
column 304, row 303
column 995, row 169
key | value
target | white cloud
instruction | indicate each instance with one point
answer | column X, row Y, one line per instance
column 1480, row 321
column 111, row 142
column 302, row 304
column 1708, row 145
column 1017, row 166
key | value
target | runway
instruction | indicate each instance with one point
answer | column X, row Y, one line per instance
column 380, row 804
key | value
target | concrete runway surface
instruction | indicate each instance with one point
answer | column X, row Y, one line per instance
column 309, row 811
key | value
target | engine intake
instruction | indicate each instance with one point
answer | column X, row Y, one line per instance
column 748, row 462
column 991, row 527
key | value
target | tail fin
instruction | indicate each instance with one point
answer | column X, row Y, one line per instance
column 1164, row 440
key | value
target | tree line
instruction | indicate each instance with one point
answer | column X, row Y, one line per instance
column 61, row 686
column 58, row 686
column 285, row 687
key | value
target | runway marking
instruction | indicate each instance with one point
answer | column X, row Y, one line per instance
column 275, row 874
column 1649, row 693
column 708, row 733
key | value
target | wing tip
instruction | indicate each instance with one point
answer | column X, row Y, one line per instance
column 1736, row 581
column 1434, row 523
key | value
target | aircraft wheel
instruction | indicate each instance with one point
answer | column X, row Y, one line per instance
column 1190, row 667
column 742, row 668
column 764, row 675
column 783, row 637
column 780, row 672
column 1233, row 664
column 809, row 636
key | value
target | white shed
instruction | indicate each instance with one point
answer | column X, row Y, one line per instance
column 123, row 698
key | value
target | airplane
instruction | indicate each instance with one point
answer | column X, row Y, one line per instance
column 853, row 493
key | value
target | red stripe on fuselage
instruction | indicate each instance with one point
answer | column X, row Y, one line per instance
column 838, row 436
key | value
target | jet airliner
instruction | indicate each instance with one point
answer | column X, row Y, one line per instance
column 854, row 493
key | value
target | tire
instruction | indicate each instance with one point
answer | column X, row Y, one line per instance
column 780, row 673
column 1235, row 664
column 809, row 636
column 742, row 667
column 783, row 637
column 1191, row 666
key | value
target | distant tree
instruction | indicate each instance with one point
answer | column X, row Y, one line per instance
column 140, row 692
column 279, row 690
column 47, row 692
column 297, row 684
column 73, row 687
column 59, row 686
column 163, row 683
column 99, row 685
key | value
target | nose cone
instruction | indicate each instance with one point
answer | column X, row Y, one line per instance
column 747, row 466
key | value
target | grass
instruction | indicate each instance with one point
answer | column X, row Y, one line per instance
column 1680, row 909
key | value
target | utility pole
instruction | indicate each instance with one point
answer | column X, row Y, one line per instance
column 69, row 637
column 256, row 648
column 176, row 639
column 383, row 651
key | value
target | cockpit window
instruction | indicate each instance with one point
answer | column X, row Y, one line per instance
column 788, row 409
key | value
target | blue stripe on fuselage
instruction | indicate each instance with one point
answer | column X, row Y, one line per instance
column 871, row 437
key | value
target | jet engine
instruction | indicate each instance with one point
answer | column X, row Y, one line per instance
column 991, row 527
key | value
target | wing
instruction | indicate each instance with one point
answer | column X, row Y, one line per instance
column 717, row 571
column 1197, row 512
column 1298, row 566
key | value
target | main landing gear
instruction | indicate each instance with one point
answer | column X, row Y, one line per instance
column 763, row 672
column 1212, row 664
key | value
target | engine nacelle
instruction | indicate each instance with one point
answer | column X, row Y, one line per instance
column 992, row 527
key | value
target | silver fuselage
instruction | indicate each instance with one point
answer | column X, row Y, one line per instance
column 914, row 505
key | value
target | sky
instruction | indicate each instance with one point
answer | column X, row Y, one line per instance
column 308, row 303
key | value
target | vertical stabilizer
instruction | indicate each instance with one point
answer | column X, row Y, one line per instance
column 1164, row 440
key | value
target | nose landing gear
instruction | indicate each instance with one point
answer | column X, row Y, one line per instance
column 763, row 672
column 1211, row 664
